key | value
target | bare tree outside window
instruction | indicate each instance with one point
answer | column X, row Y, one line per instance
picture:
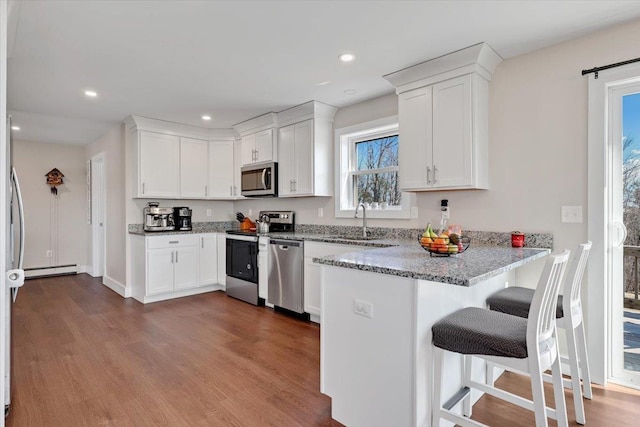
column 375, row 177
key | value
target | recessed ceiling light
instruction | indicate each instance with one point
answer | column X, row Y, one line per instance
column 206, row 117
column 347, row 57
column 324, row 83
column 91, row 93
column 350, row 92
column 15, row 127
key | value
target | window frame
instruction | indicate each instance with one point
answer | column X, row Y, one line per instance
column 346, row 140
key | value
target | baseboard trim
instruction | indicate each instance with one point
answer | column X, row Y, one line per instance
column 58, row 270
column 116, row 286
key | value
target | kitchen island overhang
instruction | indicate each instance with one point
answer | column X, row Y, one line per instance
column 378, row 307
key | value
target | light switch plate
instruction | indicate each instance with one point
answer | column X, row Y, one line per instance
column 571, row 214
column 208, row 212
column 320, row 212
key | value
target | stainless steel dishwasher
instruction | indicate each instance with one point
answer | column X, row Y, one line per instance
column 286, row 274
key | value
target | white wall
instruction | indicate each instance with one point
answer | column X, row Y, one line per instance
column 112, row 146
column 56, row 223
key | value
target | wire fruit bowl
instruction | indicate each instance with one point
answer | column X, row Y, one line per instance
column 443, row 246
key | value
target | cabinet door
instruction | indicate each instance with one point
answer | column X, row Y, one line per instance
column 312, row 283
column 415, row 113
column 263, row 267
column 159, row 165
column 186, row 267
column 222, row 259
column 208, row 259
column 452, row 130
column 286, row 165
column 160, row 264
column 193, row 167
column 237, row 166
column 248, row 149
column 264, row 146
column 221, row 169
column 303, row 180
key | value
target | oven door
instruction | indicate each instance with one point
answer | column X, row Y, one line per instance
column 242, row 258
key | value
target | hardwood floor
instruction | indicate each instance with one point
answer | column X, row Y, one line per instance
column 84, row 356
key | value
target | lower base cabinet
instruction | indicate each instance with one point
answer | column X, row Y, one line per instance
column 312, row 276
column 172, row 266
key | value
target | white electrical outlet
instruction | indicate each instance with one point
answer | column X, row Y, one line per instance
column 571, row 214
column 208, row 212
column 320, row 212
column 363, row 308
column 250, row 212
column 49, row 253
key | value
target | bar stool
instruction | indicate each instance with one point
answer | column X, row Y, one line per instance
column 517, row 301
column 517, row 344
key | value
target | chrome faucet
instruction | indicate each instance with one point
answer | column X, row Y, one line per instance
column 364, row 218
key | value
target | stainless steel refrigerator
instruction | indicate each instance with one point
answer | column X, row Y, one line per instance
column 14, row 257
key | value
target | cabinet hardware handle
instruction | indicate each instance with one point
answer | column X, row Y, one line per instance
column 257, row 155
column 295, row 186
column 435, row 174
column 202, row 242
column 428, row 175
column 176, row 257
column 143, row 188
column 171, row 257
column 231, row 190
column 173, row 242
column 206, row 191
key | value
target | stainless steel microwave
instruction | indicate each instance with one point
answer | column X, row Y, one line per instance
column 259, row 180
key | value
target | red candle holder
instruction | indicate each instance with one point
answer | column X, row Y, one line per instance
column 517, row 239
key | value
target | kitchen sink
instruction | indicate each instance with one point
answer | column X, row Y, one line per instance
column 355, row 237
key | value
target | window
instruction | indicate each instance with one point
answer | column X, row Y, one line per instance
column 368, row 159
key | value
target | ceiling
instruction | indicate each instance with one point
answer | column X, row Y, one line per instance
column 178, row 60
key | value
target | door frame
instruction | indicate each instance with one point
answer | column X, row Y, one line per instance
column 601, row 230
column 98, row 211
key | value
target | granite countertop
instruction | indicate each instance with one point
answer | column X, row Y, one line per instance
column 408, row 259
column 197, row 228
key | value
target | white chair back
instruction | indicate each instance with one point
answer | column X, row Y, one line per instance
column 542, row 314
column 573, row 282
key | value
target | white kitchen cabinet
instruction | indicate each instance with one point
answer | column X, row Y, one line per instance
column 194, row 156
column 159, row 165
column 263, row 267
column 221, row 169
column 305, row 150
column 208, row 259
column 443, row 109
column 237, row 172
column 222, row 259
column 437, row 149
column 172, row 266
column 312, row 273
column 258, row 147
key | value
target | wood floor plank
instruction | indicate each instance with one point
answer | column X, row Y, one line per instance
column 84, row 356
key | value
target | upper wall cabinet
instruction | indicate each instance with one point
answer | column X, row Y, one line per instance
column 174, row 161
column 305, row 148
column 258, row 139
column 443, row 116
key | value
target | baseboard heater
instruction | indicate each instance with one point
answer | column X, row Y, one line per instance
column 58, row 270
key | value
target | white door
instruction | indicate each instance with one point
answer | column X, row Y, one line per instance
column 159, row 165
column 186, row 267
column 248, row 149
column 221, row 169
column 264, row 146
column 98, row 208
column 624, row 143
column 452, row 141
column 303, row 180
column 208, row 259
column 194, row 160
column 159, row 266
column 286, row 165
column 415, row 114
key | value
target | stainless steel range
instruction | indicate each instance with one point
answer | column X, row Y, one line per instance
column 242, row 255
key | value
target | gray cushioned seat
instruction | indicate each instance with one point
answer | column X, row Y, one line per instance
column 516, row 301
column 477, row 331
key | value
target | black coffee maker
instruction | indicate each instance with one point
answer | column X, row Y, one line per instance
column 182, row 218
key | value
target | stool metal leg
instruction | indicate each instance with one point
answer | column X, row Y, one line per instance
column 466, row 403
